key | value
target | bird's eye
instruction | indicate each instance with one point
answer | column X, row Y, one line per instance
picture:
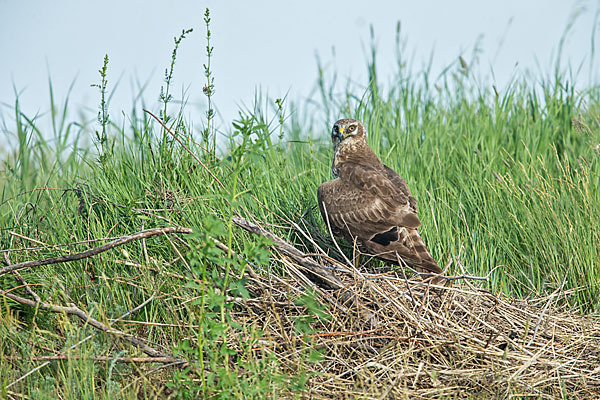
column 336, row 129
column 351, row 128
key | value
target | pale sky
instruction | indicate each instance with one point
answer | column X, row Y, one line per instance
column 266, row 45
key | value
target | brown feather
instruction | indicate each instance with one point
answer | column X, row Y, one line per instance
column 370, row 202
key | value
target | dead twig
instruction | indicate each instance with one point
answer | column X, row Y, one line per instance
column 316, row 272
column 63, row 357
column 96, row 250
column 72, row 309
column 132, row 311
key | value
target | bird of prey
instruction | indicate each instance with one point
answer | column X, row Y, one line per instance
column 370, row 203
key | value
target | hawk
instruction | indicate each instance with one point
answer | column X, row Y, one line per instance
column 369, row 202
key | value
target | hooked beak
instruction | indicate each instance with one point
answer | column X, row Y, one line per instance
column 339, row 134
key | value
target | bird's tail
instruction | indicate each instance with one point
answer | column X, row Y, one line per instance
column 427, row 263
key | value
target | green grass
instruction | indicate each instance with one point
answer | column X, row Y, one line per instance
column 507, row 183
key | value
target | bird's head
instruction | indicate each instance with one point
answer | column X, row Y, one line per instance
column 346, row 131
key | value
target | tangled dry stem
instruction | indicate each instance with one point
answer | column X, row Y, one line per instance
column 415, row 342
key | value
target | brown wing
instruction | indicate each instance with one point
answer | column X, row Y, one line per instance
column 353, row 212
column 365, row 203
column 402, row 186
column 393, row 192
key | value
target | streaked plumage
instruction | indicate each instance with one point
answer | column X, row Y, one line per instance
column 368, row 201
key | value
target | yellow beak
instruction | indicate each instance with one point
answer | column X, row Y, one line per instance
column 341, row 131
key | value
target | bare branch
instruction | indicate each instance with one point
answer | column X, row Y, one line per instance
column 72, row 309
column 132, row 311
column 96, row 250
column 62, row 357
column 316, row 272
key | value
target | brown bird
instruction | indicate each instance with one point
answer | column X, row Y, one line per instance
column 370, row 202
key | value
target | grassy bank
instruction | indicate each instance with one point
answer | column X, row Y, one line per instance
column 507, row 183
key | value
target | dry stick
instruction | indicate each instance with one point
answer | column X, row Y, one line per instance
column 21, row 280
column 28, row 288
column 96, row 250
column 135, row 309
column 140, row 210
column 324, row 277
column 316, row 273
column 62, row 357
column 44, row 246
column 72, row 309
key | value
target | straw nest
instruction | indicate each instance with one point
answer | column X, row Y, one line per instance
column 388, row 336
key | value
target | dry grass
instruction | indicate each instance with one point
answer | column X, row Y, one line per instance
column 401, row 338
